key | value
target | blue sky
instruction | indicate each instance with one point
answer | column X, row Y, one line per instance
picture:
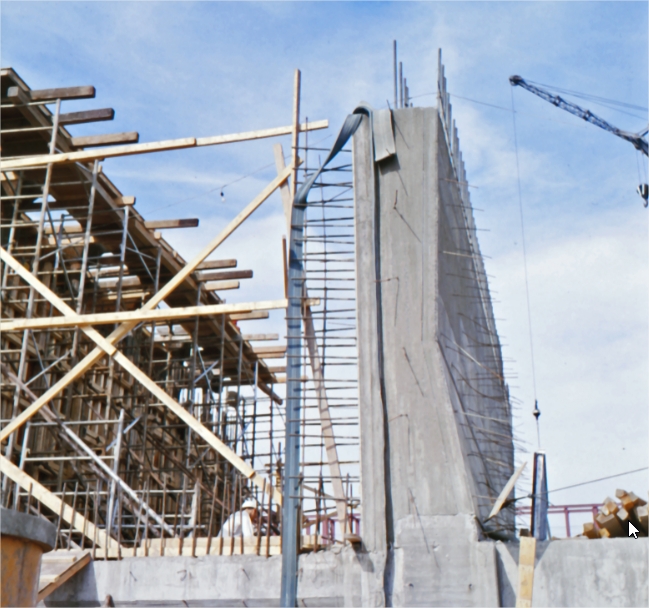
column 176, row 69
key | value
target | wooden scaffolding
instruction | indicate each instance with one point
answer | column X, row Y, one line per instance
column 135, row 413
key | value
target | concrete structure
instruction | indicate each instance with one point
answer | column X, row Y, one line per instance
column 432, row 406
column 24, row 539
column 610, row 572
column 435, row 452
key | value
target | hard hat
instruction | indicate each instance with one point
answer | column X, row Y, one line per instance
column 250, row 503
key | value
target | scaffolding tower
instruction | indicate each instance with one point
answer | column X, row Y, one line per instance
column 136, row 415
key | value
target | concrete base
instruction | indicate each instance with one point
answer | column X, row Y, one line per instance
column 453, row 571
column 603, row 572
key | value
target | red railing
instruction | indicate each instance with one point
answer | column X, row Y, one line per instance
column 567, row 510
column 328, row 530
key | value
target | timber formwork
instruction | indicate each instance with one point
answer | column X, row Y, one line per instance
column 134, row 433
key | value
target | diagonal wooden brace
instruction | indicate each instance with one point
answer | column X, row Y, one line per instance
column 54, row 503
column 137, row 373
column 106, row 345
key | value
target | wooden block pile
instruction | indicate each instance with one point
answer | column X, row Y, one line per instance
column 614, row 517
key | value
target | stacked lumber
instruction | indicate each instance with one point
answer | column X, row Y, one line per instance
column 615, row 515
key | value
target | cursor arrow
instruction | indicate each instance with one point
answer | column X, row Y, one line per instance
column 633, row 531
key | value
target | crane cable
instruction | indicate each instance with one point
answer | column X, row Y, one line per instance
column 536, row 412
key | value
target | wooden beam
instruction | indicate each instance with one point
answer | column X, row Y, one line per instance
column 267, row 390
column 507, row 490
column 109, row 139
column 159, row 146
column 276, row 132
column 159, row 314
column 86, row 92
column 75, row 241
column 67, row 229
column 78, row 118
column 262, row 350
column 256, row 337
column 112, row 283
column 224, row 275
column 97, row 154
column 249, row 316
column 526, row 559
column 54, row 503
column 326, row 423
column 221, row 285
column 296, row 132
column 127, row 295
column 16, row 95
column 217, row 264
column 126, row 201
column 284, row 189
column 277, row 370
column 160, row 224
column 57, row 567
column 285, row 192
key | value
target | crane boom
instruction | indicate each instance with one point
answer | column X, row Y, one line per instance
column 638, row 141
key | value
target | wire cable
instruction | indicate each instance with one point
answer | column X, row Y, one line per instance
column 222, row 188
column 584, row 483
column 536, row 411
column 491, row 105
column 603, row 100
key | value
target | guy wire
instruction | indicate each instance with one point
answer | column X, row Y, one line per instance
column 527, row 289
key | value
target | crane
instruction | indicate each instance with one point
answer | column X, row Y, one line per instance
column 637, row 139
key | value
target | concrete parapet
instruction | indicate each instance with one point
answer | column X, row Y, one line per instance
column 576, row 572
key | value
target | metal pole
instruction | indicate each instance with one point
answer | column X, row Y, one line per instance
column 291, row 505
column 539, row 523
column 113, row 485
column 22, row 364
column 122, row 259
column 394, row 61
column 400, row 84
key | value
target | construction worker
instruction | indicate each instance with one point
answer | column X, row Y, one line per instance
column 243, row 522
